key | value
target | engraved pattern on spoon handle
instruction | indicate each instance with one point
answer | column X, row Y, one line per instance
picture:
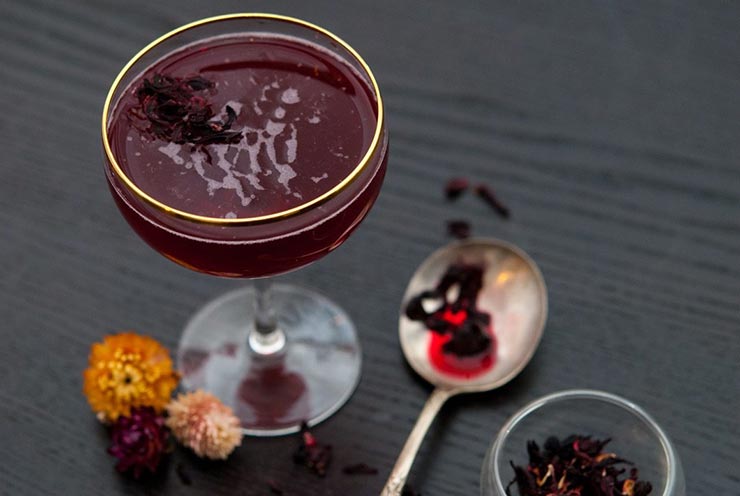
column 400, row 471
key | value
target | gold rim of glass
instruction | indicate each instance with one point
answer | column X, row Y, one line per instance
column 374, row 144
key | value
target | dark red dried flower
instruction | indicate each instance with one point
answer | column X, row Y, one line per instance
column 139, row 441
column 311, row 453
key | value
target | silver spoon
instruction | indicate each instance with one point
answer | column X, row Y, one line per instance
column 513, row 293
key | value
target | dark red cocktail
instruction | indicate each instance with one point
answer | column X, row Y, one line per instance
column 305, row 119
column 249, row 145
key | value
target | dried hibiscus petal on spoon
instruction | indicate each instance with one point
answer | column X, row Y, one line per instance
column 416, row 308
column 450, row 309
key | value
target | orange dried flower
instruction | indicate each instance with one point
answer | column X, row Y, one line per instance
column 128, row 370
column 201, row 422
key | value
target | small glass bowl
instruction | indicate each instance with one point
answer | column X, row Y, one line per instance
column 635, row 437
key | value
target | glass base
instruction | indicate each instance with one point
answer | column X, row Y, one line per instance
column 308, row 379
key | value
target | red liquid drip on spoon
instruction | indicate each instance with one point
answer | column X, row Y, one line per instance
column 451, row 364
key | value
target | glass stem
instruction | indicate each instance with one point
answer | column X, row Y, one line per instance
column 266, row 338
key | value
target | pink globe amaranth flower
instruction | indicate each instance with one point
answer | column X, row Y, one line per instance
column 201, row 422
column 139, row 441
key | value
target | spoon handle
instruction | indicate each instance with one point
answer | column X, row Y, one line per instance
column 400, row 472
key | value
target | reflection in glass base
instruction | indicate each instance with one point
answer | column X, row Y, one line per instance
column 309, row 379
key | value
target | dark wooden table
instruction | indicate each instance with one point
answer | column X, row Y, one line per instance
column 611, row 129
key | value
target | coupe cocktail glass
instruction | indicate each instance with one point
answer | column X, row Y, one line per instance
column 302, row 166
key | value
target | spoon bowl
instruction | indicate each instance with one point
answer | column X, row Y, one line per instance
column 513, row 294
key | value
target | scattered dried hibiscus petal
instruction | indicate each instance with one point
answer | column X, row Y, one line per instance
column 488, row 196
column 455, row 187
column 311, row 453
column 459, row 229
column 359, row 469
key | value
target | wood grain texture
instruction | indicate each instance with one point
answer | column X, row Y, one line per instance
column 610, row 129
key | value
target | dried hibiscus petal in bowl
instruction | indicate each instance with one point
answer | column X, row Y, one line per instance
column 575, row 466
